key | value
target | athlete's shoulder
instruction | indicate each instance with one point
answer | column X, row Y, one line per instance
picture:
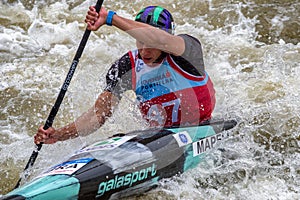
column 189, row 39
column 192, row 59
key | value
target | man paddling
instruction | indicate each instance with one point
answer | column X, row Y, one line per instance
column 166, row 71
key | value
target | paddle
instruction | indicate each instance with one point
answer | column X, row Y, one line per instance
column 61, row 95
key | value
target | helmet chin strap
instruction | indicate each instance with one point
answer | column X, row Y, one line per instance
column 161, row 57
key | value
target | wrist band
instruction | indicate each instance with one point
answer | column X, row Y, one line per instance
column 110, row 17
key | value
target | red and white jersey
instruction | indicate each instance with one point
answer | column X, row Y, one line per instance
column 168, row 95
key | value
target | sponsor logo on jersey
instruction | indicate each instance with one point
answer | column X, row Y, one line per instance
column 161, row 79
column 126, row 180
column 140, row 66
column 208, row 143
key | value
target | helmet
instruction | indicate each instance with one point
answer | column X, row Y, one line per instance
column 158, row 17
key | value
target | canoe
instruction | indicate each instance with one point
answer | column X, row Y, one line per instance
column 125, row 164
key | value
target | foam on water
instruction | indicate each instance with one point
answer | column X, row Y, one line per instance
column 256, row 80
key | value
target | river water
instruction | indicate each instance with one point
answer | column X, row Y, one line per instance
column 251, row 50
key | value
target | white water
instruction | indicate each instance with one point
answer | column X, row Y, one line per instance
column 253, row 63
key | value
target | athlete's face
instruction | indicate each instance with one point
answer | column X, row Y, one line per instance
column 149, row 55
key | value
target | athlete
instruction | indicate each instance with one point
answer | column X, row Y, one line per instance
column 166, row 71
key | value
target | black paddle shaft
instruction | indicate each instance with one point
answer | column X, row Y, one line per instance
column 62, row 93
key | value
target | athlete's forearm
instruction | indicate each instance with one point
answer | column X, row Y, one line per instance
column 84, row 125
column 149, row 35
column 91, row 120
column 66, row 132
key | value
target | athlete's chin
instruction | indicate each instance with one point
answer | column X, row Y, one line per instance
column 147, row 60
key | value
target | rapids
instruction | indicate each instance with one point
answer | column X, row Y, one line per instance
column 251, row 51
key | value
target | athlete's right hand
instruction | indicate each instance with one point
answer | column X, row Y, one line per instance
column 48, row 136
column 95, row 20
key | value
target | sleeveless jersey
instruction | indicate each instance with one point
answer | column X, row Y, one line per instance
column 169, row 95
